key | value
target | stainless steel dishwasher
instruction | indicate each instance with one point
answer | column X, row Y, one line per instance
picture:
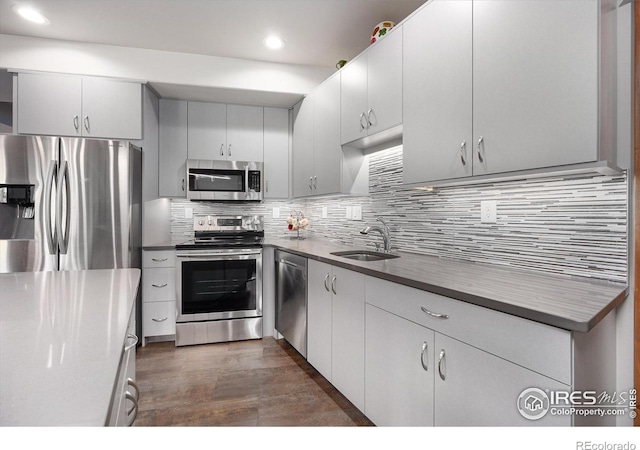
column 291, row 299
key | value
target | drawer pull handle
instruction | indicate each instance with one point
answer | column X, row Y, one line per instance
column 425, row 347
column 134, row 342
column 159, row 259
column 159, row 285
column 432, row 314
column 442, row 365
column 158, row 320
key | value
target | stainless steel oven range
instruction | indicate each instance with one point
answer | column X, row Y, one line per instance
column 219, row 281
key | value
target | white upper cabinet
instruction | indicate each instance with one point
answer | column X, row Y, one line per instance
column 276, row 152
column 225, row 132
column 172, row 144
column 67, row 105
column 371, row 90
column 437, row 98
column 496, row 86
column 302, row 164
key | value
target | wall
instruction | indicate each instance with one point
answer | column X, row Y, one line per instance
column 572, row 227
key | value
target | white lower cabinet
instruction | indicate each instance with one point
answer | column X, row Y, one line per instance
column 476, row 388
column 433, row 360
column 399, row 383
column 335, row 329
column 124, row 407
column 158, row 294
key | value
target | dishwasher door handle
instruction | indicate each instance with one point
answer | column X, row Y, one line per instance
column 297, row 266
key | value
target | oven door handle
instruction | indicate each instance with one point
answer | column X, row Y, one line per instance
column 209, row 257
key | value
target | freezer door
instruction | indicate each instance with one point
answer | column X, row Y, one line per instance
column 27, row 228
column 95, row 204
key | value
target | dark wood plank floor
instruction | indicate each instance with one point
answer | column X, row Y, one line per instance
column 248, row 383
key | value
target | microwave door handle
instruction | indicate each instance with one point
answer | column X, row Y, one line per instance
column 246, row 181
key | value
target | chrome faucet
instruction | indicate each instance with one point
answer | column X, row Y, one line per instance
column 384, row 231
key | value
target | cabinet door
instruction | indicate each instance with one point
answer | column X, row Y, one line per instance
column 437, row 97
column 49, row 104
column 245, row 133
column 384, row 80
column 399, row 363
column 475, row 388
column 276, row 152
column 535, row 83
column 319, row 317
column 327, row 152
column 172, row 148
column 347, row 354
column 353, row 101
column 207, row 130
column 303, row 147
column 111, row 109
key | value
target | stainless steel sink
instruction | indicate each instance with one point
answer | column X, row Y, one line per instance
column 365, row 255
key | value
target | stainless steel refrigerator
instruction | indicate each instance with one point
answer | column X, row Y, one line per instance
column 69, row 204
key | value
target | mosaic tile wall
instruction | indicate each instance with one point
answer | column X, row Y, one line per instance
column 573, row 226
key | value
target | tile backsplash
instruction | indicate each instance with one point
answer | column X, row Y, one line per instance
column 567, row 226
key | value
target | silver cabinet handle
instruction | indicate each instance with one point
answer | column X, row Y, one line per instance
column 425, row 347
column 133, row 384
column 86, row 124
column 159, row 259
column 267, row 186
column 315, row 182
column 229, row 150
column 311, row 183
column 432, row 314
column 480, row 143
column 369, row 116
column 363, row 125
column 333, row 285
column 326, row 278
column 133, row 344
column 76, row 123
column 442, row 365
column 158, row 320
column 183, row 185
column 222, row 150
column 159, row 285
column 462, row 153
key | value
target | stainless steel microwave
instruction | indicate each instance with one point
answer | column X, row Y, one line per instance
column 224, row 180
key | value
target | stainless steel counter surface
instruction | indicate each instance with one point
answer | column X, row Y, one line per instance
column 61, row 339
column 574, row 304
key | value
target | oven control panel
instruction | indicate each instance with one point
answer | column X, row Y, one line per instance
column 228, row 223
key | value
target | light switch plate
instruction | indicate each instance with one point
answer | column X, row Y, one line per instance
column 356, row 212
column 188, row 213
column 348, row 213
column 488, row 211
column 324, row 212
column 275, row 214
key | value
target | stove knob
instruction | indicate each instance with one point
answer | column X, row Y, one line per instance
column 200, row 222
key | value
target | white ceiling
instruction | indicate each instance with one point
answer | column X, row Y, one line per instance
column 316, row 32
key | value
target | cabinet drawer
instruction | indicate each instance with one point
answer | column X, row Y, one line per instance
column 159, row 258
column 536, row 346
column 158, row 284
column 159, row 318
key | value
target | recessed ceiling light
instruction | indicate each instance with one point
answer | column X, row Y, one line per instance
column 30, row 14
column 273, row 42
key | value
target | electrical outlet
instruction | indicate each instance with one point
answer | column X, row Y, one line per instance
column 275, row 214
column 347, row 214
column 488, row 211
column 324, row 212
column 188, row 213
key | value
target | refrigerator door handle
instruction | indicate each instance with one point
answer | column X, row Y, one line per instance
column 63, row 238
column 50, row 234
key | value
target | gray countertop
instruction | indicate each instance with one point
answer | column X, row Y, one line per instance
column 61, row 339
column 569, row 303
